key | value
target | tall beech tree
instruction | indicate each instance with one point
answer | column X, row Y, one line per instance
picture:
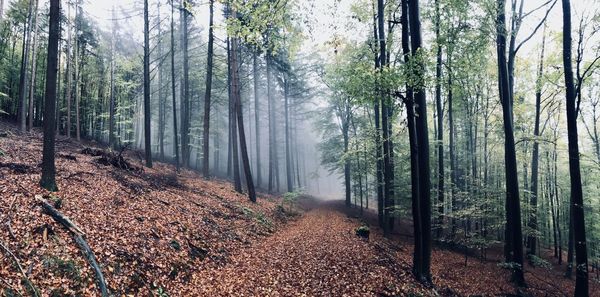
column 147, row 120
column 513, row 234
column 576, row 205
column 207, row 92
column 48, row 180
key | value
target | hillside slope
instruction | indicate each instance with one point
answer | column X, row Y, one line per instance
column 149, row 230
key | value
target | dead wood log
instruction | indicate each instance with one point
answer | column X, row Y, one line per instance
column 58, row 216
column 89, row 254
column 78, row 235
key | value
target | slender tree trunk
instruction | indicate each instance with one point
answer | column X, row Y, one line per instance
column 185, row 102
column 175, row 140
column 440, row 121
column 387, row 162
column 48, row 167
column 147, row 120
column 76, row 62
column 514, row 240
column 111, row 117
column 288, row 156
column 235, row 90
column 378, row 146
column 533, row 217
column 256, row 117
column 578, row 220
column 161, row 94
column 24, row 62
column 207, row 94
column 33, row 65
column 452, row 147
column 271, row 124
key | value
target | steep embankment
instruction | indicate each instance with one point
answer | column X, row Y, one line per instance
column 150, row 230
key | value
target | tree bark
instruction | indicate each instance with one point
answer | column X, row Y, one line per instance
column 175, row 139
column 533, row 219
column 147, row 120
column 514, row 235
column 578, row 214
column 48, row 166
column 24, row 62
column 440, row 121
column 33, row 65
column 423, row 144
column 207, row 94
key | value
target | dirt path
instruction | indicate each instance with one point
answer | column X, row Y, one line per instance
column 318, row 255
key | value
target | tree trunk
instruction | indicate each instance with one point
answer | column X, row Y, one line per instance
column 256, row 117
column 33, row 65
column 581, row 282
column 378, row 147
column 76, row 62
column 271, row 124
column 24, row 62
column 235, row 90
column 175, row 140
column 440, row 122
column 514, row 240
column 147, row 120
column 161, row 94
column 185, row 102
column 533, row 219
column 288, row 156
column 387, row 162
column 423, row 145
column 208, row 89
column 48, row 167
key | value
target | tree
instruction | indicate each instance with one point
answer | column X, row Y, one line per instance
column 533, row 216
column 185, row 98
column 514, row 236
column 24, row 63
column 147, row 120
column 33, row 66
column 48, row 167
column 209, row 70
column 175, row 142
column 424, row 273
column 577, row 210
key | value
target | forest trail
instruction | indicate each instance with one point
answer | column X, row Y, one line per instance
column 317, row 255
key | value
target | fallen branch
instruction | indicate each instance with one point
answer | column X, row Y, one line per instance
column 78, row 235
column 89, row 254
column 10, row 253
column 59, row 217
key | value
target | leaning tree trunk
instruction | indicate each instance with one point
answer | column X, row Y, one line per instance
column 235, row 90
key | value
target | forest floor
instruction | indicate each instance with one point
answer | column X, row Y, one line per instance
column 155, row 233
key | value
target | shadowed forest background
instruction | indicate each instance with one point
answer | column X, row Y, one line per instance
column 282, row 147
